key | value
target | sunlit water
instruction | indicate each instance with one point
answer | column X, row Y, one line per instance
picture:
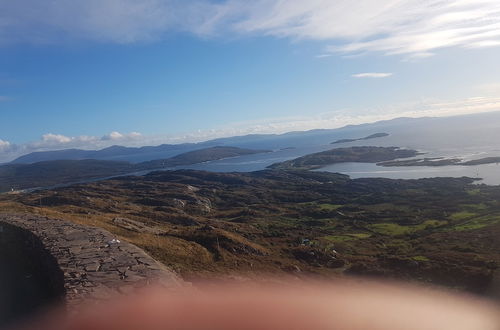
column 490, row 173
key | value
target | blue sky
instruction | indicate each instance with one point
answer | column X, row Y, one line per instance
column 88, row 73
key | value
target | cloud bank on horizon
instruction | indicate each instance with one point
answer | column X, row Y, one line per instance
column 412, row 27
column 50, row 141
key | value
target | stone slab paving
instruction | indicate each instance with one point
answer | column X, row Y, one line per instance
column 95, row 265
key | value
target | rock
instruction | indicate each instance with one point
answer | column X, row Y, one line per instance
column 179, row 203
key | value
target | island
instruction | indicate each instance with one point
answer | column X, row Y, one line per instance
column 373, row 136
column 200, row 156
column 440, row 162
column 346, row 155
column 482, row 161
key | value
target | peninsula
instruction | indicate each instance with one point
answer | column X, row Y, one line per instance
column 346, row 155
column 373, row 136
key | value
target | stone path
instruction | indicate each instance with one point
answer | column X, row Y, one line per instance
column 94, row 265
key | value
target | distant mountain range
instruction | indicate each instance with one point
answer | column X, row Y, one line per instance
column 475, row 125
column 111, row 153
column 55, row 172
column 252, row 141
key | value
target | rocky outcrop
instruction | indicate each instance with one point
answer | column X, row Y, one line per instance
column 94, row 264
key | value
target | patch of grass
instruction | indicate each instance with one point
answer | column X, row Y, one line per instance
column 347, row 237
column 285, row 222
column 474, row 192
column 478, row 223
column 393, row 229
column 420, row 258
column 430, row 224
column 476, row 207
column 462, row 215
column 360, row 235
column 398, row 246
column 330, row 224
column 470, row 226
column 388, row 207
column 339, row 238
column 329, row 207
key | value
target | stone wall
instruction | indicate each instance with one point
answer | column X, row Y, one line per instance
column 90, row 263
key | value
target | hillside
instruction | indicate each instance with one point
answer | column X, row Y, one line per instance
column 23, row 176
column 212, row 225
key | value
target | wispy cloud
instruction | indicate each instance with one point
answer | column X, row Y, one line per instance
column 51, row 140
column 412, row 27
column 388, row 26
column 4, row 98
column 372, row 75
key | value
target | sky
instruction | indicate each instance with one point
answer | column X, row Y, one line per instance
column 94, row 73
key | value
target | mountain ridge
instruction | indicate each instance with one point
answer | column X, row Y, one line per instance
column 147, row 153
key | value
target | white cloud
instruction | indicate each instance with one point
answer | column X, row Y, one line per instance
column 4, row 145
column 55, row 139
column 372, row 75
column 117, row 136
column 50, row 141
column 412, row 27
